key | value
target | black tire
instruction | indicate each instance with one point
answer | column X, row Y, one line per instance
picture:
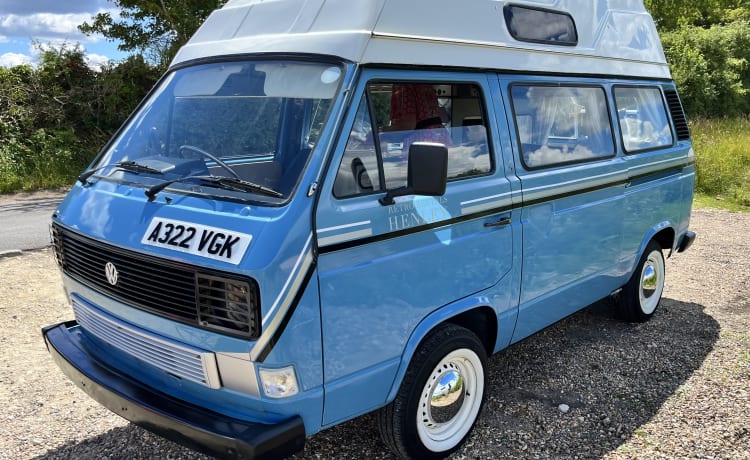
column 440, row 398
column 641, row 295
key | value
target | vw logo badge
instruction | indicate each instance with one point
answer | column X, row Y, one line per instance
column 111, row 271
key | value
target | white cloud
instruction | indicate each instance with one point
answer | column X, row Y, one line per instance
column 96, row 61
column 14, row 59
column 28, row 25
column 45, row 26
column 52, row 6
column 93, row 60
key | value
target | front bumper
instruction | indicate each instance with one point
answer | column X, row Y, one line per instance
column 192, row 426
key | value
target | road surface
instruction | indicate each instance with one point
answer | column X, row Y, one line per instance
column 24, row 220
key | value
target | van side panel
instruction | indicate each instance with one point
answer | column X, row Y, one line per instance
column 586, row 224
column 374, row 296
column 571, row 210
column 571, row 245
column 659, row 193
column 658, row 196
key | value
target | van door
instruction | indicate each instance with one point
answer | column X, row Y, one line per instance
column 383, row 269
column 572, row 183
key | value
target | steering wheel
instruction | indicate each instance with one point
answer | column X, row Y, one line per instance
column 210, row 156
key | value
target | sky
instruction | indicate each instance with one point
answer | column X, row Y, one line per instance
column 52, row 22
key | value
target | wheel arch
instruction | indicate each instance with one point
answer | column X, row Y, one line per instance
column 664, row 234
column 479, row 318
column 666, row 239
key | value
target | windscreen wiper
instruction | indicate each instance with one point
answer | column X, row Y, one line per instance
column 229, row 183
column 131, row 166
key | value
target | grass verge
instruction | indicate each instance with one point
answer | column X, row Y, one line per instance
column 722, row 154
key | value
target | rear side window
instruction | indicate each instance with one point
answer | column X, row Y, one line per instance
column 643, row 118
column 561, row 124
column 394, row 115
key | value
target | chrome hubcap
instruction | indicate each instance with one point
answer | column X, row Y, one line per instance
column 450, row 400
column 652, row 282
column 447, row 397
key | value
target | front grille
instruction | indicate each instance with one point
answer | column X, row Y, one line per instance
column 170, row 289
column 176, row 359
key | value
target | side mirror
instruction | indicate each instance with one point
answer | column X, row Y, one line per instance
column 427, row 172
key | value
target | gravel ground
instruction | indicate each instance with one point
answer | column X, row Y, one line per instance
column 675, row 387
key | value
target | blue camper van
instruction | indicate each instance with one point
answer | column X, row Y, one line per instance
column 332, row 207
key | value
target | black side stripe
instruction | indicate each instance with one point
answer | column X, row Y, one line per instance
column 489, row 212
column 409, row 231
column 287, row 316
column 665, row 172
column 572, row 193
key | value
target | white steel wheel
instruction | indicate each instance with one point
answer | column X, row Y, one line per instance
column 440, row 397
column 641, row 295
column 651, row 283
column 451, row 399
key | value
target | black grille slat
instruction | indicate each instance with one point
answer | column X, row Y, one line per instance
column 130, row 283
column 161, row 293
column 187, row 280
column 159, row 286
column 678, row 115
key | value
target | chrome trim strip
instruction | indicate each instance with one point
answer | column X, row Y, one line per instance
column 543, row 191
column 656, row 166
column 485, row 198
column 484, row 207
column 341, row 227
column 181, row 360
column 329, row 240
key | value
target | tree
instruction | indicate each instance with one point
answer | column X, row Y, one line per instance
column 707, row 44
column 670, row 15
column 55, row 116
column 156, row 28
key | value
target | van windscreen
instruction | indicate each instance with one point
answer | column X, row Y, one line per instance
column 253, row 121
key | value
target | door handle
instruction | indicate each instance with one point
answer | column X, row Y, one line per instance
column 503, row 221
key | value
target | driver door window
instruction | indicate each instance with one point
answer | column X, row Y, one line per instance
column 394, row 115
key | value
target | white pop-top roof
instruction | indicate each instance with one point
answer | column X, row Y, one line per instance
column 615, row 37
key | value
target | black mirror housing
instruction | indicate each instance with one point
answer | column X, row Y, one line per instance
column 427, row 172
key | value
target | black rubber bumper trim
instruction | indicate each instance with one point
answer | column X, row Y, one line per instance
column 686, row 240
column 186, row 424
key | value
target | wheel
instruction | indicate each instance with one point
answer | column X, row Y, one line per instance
column 641, row 295
column 210, row 156
column 440, row 397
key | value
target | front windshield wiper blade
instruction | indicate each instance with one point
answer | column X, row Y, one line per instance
column 131, row 166
column 216, row 181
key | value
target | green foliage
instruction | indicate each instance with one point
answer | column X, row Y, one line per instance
column 723, row 159
column 42, row 160
column 710, row 67
column 54, row 118
column 707, row 43
column 671, row 15
column 155, row 27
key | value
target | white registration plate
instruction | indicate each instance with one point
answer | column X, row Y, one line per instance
column 200, row 240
